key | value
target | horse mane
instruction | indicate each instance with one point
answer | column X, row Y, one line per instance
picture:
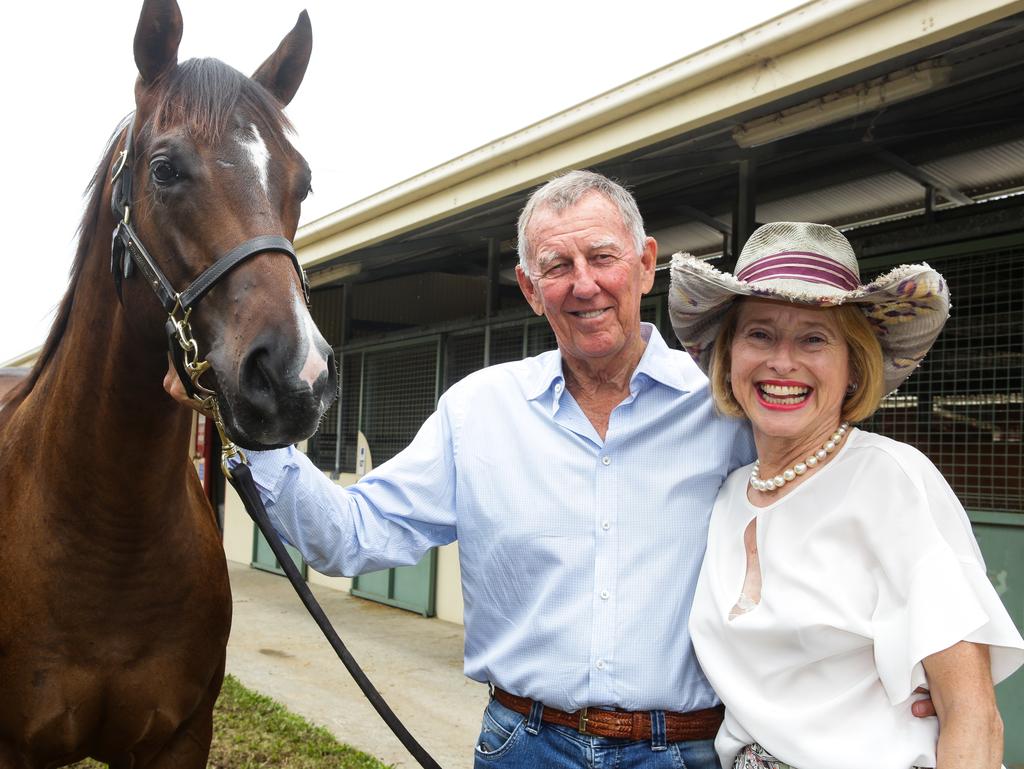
column 201, row 95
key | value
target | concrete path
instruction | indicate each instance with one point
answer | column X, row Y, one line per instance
column 415, row 663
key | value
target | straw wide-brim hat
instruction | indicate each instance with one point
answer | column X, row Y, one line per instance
column 811, row 264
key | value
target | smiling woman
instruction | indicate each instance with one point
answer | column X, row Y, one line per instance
column 790, row 374
column 845, row 326
column 827, row 597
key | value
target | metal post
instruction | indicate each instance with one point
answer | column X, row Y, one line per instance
column 493, row 263
column 339, row 356
column 336, row 472
column 744, row 216
column 346, row 314
column 442, row 342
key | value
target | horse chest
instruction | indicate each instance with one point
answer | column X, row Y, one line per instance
column 110, row 646
column 84, row 709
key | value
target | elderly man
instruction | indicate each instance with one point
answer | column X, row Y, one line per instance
column 579, row 484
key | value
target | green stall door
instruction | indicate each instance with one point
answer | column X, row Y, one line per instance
column 263, row 557
column 407, row 587
column 1001, row 539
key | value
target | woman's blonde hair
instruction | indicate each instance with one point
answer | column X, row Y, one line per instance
column 866, row 368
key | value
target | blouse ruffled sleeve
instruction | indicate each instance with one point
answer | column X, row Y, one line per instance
column 933, row 590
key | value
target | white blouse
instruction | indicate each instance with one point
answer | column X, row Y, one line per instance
column 867, row 567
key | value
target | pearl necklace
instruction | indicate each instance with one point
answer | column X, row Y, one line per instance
column 800, row 467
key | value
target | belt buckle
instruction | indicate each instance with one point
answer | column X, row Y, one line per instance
column 582, row 727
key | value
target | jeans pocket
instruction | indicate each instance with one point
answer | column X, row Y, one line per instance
column 499, row 730
column 697, row 754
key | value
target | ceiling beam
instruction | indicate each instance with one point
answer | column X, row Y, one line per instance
column 922, row 177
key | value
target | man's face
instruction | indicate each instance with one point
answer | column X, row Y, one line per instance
column 588, row 279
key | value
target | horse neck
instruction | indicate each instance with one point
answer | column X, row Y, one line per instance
column 114, row 420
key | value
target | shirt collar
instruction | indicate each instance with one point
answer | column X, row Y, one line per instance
column 662, row 365
column 658, row 363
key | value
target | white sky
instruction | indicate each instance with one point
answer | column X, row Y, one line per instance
column 393, row 88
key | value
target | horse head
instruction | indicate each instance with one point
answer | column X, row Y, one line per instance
column 210, row 167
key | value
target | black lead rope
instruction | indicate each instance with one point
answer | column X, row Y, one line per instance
column 241, row 478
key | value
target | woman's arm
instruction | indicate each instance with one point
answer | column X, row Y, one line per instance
column 970, row 729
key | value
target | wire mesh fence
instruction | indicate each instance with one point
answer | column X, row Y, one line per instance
column 964, row 407
column 463, row 354
column 399, row 391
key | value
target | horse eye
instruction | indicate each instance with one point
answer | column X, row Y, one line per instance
column 163, row 171
column 307, row 192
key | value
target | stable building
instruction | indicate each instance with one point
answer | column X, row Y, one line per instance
column 899, row 122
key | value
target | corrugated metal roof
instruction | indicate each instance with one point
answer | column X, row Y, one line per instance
column 871, row 198
column 981, row 172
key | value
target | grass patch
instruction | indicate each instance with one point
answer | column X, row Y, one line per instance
column 251, row 731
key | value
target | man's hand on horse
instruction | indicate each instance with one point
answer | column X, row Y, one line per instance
column 174, row 388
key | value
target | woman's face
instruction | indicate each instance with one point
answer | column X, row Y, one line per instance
column 790, row 368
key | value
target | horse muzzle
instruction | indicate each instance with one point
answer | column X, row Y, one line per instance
column 279, row 397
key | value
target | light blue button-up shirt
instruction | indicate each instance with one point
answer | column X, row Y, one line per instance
column 579, row 556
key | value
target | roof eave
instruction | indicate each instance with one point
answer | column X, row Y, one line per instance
column 813, row 44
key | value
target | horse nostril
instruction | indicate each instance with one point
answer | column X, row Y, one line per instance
column 332, row 369
column 283, row 390
column 257, row 377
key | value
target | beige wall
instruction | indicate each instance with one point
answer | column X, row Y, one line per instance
column 238, row 529
column 448, row 596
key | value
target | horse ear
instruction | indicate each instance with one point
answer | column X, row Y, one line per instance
column 157, row 38
column 282, row 73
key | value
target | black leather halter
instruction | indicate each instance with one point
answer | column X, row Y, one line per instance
column 127, row 250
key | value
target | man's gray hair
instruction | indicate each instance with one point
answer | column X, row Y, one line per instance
column 567, row 190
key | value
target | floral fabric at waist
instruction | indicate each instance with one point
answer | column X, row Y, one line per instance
column 755, row 757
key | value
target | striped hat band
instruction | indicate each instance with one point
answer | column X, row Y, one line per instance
column 800, row 265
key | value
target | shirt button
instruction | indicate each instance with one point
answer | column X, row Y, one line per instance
column 605, row 594
column 605, row 525
column 600, row 665
column 558, row 388
column 606, row 461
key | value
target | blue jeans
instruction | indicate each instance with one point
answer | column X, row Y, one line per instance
column 506, row 742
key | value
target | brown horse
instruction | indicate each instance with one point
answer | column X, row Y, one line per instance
column 114, row 598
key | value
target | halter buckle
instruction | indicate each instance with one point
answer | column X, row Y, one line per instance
column 228, row 448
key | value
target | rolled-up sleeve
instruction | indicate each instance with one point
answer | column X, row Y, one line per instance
column 390, row 517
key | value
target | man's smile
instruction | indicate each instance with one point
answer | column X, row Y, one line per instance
column 588, row 314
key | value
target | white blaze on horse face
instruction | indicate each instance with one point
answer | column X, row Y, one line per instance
column 253, row 143
column 315, row 364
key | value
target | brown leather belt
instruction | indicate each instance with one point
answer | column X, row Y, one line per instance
column 695, row 725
